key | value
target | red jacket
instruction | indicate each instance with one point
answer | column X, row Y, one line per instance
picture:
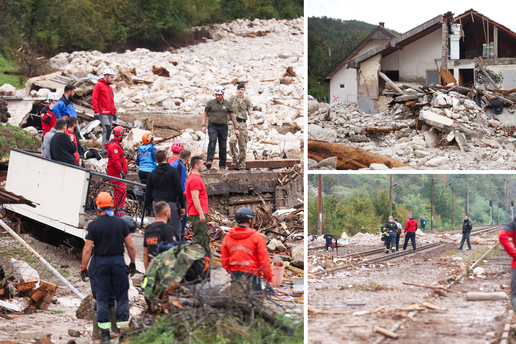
column 72, row 137
column 102, row 98
column 410, row 226
column 116, row 158
column 244, row 250
column 507, row 232
column 48, row 120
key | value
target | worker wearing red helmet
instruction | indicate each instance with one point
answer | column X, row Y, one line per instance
column 176, row 149
column 117, row 167
column 105, row 238
column 146, row 157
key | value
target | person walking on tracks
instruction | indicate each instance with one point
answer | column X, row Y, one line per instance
column 106, row 236
column 506, row 233
column 398, row 233
column 244, row 253
column 410, row 232
column 103, row 103
column 422, row 221
column 467, row 226
column 389, row 230
column 243, row 111
column 117, row 167
column 197, row 205
column 217, row 112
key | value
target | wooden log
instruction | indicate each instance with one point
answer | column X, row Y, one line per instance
column 427, row 286
column 168, row 137
column 348, row 157
column 385, row 332
column 412, row 96
column 486, row 296
column 392, row 84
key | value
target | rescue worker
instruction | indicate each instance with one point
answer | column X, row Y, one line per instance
column 398, row 233
column 329, row 242
column 217, row 112
column 509, row 232
column 146, row 157
column 71, row 124
column 176, row 149
column 197, row 205
column 164, row 184
column 64, row 107
column 410, row 232
column 160, row 230
column 117, row 167
column 389, row 230
column 62, row 147
column 45, row 145
column 244, row 253
column 467, row 226
column 103, row 103
column 422, row 221
column 105, row 237
column 243, row 110
column 180, row 166
column 48, row 119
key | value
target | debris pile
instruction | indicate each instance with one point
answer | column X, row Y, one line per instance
column 427, row 127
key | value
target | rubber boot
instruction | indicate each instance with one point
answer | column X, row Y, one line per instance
column 105, row 336
column 112, row 316
column 96, row 330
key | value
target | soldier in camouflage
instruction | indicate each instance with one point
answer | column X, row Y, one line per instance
column 168, row 269
column 243, row 109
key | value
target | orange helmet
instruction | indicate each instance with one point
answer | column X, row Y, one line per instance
column 177, row 147
column 104, row 200
column 147, row 138
column 118, row 131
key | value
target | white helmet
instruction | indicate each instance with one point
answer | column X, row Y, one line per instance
column 219, row 90
column 52, row 96
column 108, row 71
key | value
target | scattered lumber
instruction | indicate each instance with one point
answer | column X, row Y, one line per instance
column 486, row 296
column 385, row 332
column 349, row 158
column 168, row 137
column 390, row 83
column 427, row 286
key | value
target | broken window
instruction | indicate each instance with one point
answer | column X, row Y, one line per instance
column 394, row 75
column 432, row 77
column 342, row 85
column 466, row 77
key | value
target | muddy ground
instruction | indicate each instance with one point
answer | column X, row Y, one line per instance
column 367, row 289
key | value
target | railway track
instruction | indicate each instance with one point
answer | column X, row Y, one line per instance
column 395, row 255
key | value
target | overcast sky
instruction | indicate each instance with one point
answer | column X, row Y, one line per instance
column 403, row 15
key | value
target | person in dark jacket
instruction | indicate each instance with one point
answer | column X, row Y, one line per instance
column 466, row 230
column 389, row 230
column 331, row 241
column 422, row 221
column 164, row 184
column 64, row 107
column 61, row 147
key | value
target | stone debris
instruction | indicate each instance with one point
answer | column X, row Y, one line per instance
column 441, row 129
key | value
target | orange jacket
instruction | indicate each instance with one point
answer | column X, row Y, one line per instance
column 244, row 250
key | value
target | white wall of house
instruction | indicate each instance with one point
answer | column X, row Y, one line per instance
column 391, row 62
column 418, row 57
column 348, row 78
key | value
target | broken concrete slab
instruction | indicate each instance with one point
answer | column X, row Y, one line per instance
column 32, row 335
column 436, row 120
column 461, row 140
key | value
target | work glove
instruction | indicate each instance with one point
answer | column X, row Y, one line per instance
column 115, row 117
column 84, row 275
column 131, row 269
column 122, row 174
column 96, row 116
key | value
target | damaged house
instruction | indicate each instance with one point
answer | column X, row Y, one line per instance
column 466, row 50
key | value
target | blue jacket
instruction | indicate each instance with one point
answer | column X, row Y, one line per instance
column 64, row 107
column 175, row 164
column 146, row 158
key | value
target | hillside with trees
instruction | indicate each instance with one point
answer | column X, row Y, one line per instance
column 351, row 202
column 329, row 41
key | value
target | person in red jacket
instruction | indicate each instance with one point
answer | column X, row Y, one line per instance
column 48, row 120
column 410, row 232
column 244, row 253
column 509, row 231
column 71, row 123
column 117, row 167
column 103, row 103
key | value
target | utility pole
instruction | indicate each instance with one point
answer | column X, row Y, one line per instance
column 390, row 196
column 319, row 193
column 497, row 212
column 452, row 201
column 467, row 197
column 432, row 206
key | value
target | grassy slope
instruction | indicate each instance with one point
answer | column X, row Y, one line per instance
column 13, row 80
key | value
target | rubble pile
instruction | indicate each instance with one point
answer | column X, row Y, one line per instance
column 426, row 128
column 266, row 55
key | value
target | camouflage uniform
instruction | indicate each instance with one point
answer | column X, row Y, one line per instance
column 169, row 268
column 241, row 109
column 201, row 235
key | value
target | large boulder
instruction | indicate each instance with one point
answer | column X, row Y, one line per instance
column 315, row 132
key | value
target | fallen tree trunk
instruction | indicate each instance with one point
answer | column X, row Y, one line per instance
column 348, row 158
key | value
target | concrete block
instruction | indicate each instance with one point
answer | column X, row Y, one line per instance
column 461, row 140
column 436, row 120
column 32, row 335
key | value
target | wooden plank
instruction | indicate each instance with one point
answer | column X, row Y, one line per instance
column 37, row 296
column 486, row 296
column 385, row 332
column 392, row 84
column 447, row 76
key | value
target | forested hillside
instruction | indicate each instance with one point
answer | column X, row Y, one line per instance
column 352, row 201
column 34, row 28
column 329, row 41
